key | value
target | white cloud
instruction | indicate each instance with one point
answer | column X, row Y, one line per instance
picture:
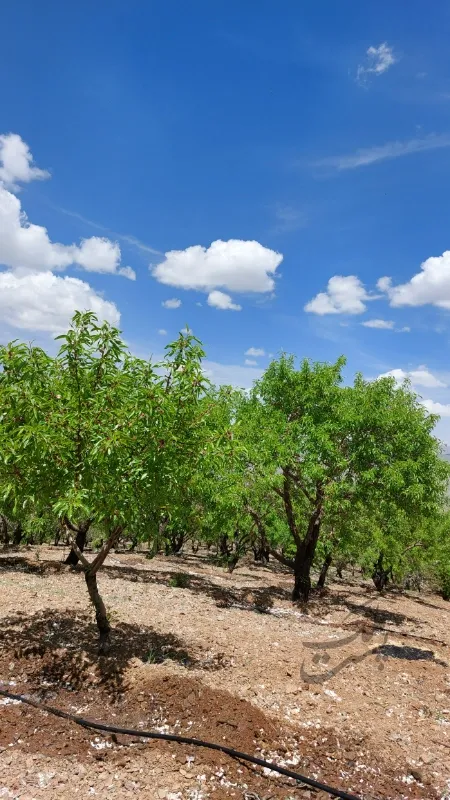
column 371, row 155
column 256, row 352
column 16, row 162
column 405, row 329
column 162, row 332
column 240, row 266
column 45, row 302
column 443, row 409
column 344, row 295
column 381, row 324
column 172, row 303
column 378, row 60
column 384, row 284
column 231, row 374
column 418, row 377
column 223, row 301
column 25, row 247
column 101, row 255
column 289, row 219
column 429, row 286
column 250, row 362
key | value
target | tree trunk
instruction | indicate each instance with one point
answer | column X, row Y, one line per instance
column 223, row 545
column 380, row 575
column 304, row 557
column 101, row 617
column 4, row 533
column 323, row 572
column 80, row 541
column 18, row 533
column 174, row 543
column 302, row 570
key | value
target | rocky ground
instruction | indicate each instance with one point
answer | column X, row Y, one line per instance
column 354, row 692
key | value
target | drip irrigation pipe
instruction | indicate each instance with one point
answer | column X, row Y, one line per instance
column 172, row 737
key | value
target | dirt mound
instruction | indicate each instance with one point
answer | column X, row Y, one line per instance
column 189, row 707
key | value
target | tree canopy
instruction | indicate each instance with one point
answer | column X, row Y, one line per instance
column 302, row 467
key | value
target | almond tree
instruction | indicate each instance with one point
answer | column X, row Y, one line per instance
column 320, row 449
column 96, row 435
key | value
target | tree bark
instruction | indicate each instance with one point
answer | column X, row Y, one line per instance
column 174, row 543
column 4, row 534
column 80, row 541
column 323, row 572
column 380, row 575
column 304, row 556
column 302, row 573
column 101, row 617
column 18, row 533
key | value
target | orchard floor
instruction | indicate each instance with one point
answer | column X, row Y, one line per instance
column 355, row 692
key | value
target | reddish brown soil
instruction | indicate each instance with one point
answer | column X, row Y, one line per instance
column 220, row 660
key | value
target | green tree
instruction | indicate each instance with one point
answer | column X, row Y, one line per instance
column 95, row 435
column 320, row 449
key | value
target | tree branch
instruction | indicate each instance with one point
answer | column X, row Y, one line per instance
column 110, row 542
column 412, row 546
column 288, row 562
column 290, row 511
column 68, row 524
column 77, row 551
column 299, row 482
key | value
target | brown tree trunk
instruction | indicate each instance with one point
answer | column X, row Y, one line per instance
column 323, row 572
column 4, row 534
column 302, row 575
column 380, row 575
column 101, row 617
column 80, row 541
column 304, row 558
column 18, row 533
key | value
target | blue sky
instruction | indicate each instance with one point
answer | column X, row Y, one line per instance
column 263, row 164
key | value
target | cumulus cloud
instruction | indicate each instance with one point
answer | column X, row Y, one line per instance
column 46, row 302
column 97, row 254
column 162, row 332
column 418, row 377
column 172, row 303
column 443, row 409
column 378, row 60
column 31, row 296
column 344, row 295
column 222, row 301
column 236, row 265
column 25, row 247
column 250, row 362
column 16, row 162
column 371, row 155
column 430, row 286
column 256, row 352
column 381, row 324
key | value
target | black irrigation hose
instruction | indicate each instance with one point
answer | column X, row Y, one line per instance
column 171, row 737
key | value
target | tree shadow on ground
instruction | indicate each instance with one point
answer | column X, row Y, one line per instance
column 379, row 616
column 408, row 653
column 251, row 598
column 422, row 602
column 59, row 650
